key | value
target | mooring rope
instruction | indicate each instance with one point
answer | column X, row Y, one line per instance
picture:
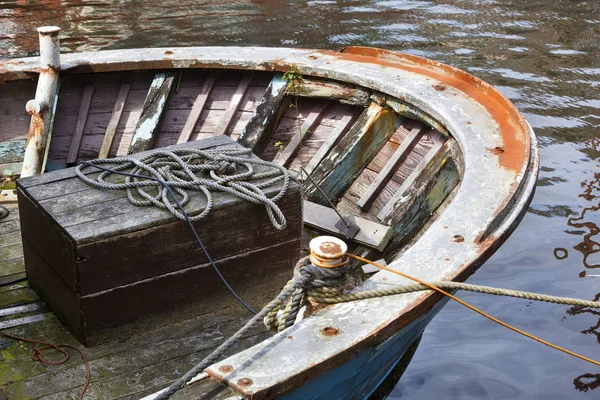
column 328, row 282
column 205, row 171
column 450, row 285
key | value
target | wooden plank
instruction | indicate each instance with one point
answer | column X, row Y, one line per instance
column 408, row 110
column 147, row 127
column 371, row 233
column 352, row 154
column 345, row 93
column 111, row 129
column 84, row 109
column 422, row 195
column 285, row 156
column 258, row 131
column 366, row 201
column 237, row 98
column 197, row 108
column 331, row 141
column 410, row 180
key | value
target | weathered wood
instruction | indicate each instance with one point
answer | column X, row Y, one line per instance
column 408, row 110
column 103, row 250
column 260, row 128
column 323, row 218
column 84, row 110
column 12, row 151
column 389, row 169
column 332, row 139
column 111, row 129
column 429, row 160
column 356, row 149
column 147, row 127
column 437, row 179
column 345, row 93
column 239, row 94
column 197, row 108
column 285, row 156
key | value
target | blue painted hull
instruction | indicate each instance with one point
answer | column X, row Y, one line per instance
column 359, row 377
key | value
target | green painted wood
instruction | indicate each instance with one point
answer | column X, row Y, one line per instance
column 153, row 110
column 260, row 128
column 424, row 195
column 353, row 153
column 384, row 176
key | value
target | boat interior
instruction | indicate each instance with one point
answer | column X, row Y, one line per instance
column 383, row 161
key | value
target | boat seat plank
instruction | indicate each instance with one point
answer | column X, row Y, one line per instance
column 197, row 108
column 147, row 127
column 238, row 96
column 84, row 109
column 285, row 157
column 389, row 169
column 354, row 152
column 111, row 129
column 371, row 234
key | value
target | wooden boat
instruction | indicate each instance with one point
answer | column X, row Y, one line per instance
column 439, row 162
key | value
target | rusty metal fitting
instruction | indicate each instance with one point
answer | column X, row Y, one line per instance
column 328, row 252
column 36, row 107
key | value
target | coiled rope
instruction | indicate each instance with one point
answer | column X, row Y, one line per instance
column 206, row 171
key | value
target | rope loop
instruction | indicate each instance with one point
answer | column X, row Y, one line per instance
column 228, row 170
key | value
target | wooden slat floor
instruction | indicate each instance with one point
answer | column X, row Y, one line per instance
column 135, row 362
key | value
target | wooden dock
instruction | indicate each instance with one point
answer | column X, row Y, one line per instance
column 137, row 362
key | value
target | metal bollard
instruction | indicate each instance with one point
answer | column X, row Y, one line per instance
column 41, row 107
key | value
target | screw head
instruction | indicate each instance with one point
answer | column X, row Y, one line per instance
column 245, row 382
column 226, row 368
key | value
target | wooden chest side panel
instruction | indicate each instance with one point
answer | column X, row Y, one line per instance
column 254, row 275
column 53, row 290
column 154, row 251
column 38, row 228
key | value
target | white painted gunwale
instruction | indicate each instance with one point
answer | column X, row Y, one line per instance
column 485, row 190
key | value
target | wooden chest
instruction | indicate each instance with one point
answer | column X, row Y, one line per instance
column 99, row 261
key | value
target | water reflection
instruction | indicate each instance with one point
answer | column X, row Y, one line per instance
column 586, row 225
column 542, row 54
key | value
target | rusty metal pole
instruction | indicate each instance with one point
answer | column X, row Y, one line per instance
column 41, row 107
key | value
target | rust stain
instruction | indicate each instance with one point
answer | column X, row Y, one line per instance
column 512, row 125
column 330, row 248
column 458, row 239
column 330, row 331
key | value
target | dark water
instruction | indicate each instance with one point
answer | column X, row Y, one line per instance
column 543, row 54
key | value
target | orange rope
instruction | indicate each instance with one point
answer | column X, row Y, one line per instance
column 37, row 355
column 478, row 311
